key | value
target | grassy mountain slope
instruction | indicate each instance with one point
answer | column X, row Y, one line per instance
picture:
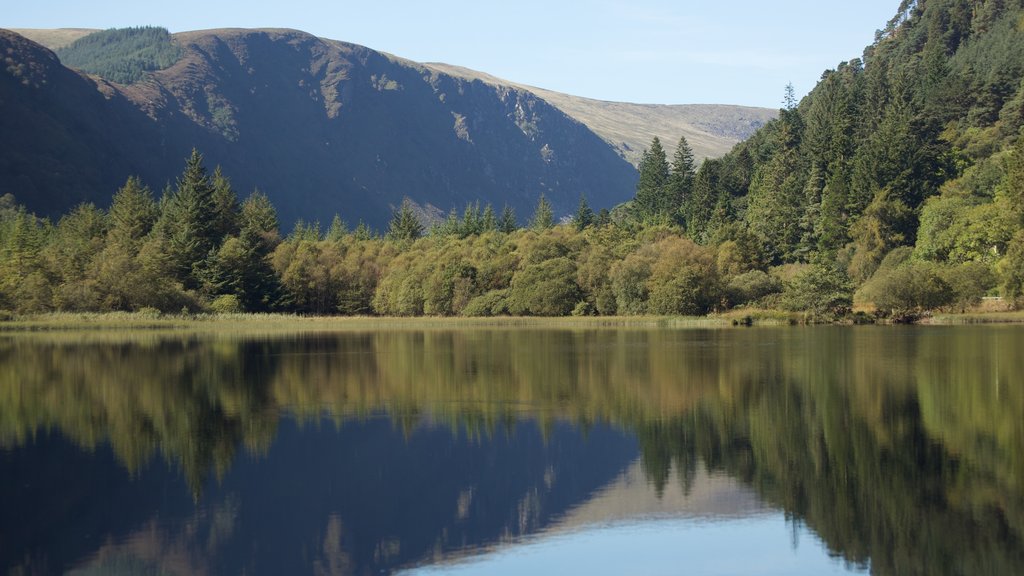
column 54, row 38
column 711, row 129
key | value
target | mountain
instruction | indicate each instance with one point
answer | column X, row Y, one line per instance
column 710, row 129
column 321, row 126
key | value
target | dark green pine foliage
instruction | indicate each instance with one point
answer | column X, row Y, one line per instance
column 489, row 222
column 122, row 55
column 543, row 215
column 225, row 206
column 189, row 224
column 584, row 216
column 507, row 221
column 405, row 226
column 680, row 181
column 653, row 200
column 700, row 203
column 132, row 215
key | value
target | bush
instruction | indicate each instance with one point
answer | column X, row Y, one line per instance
column 751, row 287
column 493, row 303
column 905, row 291
column 821, row 290
column 226, row 304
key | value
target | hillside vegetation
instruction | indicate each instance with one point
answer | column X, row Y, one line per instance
column 711, row 129
column 122, row 55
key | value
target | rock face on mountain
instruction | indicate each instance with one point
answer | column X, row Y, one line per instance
column 321, row 126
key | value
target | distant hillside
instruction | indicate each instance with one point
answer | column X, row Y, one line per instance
column 54, row 38
column 711, row 129
column 321, row 126
column 122, row 55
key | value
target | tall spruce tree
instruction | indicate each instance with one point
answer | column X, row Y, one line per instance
column 543, row 216
column 680, row 182
column 507, row 221
column 132, row 214
column 189, row 223
column 405, row 226
column 584, row 216
column 652, row 200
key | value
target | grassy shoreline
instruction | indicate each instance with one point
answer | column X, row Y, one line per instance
column 144, row 321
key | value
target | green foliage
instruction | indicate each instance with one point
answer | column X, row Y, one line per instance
column 404, row 226
column 661, row 187
column 584, row 216
column 903, row 288
column 821, row 290
column 122, row 55
column 543, row 216
column 750, row 287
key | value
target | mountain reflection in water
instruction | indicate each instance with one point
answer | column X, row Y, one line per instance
column 369, row 452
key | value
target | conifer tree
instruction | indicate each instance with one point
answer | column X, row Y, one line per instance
column 680, row 182
column 543, row 216
column 404, row 223
column 189, row 223
column 225, row 206
column 489, row 221
column 132, row 214
column 584, row 216
column 651, row 200
column 507, row 222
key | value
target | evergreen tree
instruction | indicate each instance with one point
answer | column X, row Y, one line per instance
column 405, row 226
column 338, row 230
column 543, row 216
column 507, row 222
column 188, row 222
column 489, row 221
column 652, row 194
column 132, row 214
column 362, row 232
column 584, row 216
column 680, row 183
column 225, row 206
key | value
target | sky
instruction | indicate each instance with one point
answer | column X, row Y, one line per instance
column 647, row 51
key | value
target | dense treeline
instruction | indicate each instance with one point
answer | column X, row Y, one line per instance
column 198, row 248
column 904, row 167
column 122, row 55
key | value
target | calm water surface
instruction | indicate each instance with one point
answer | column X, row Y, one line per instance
column 883, row 450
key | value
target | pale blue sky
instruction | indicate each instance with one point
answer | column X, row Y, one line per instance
column 652, row 51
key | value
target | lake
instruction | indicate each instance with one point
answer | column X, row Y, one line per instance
column 803, row 450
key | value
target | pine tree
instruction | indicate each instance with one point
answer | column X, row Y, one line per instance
column 405, row 226
column 225, row 206
column 507, row 222
column 543, row 216
column 338, row 229
column 132, row 214
column 680, row 182
column 584, row 216
column 188, row 222
column 651, row 201
column 489, row 220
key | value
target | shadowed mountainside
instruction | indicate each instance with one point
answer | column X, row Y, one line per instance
column 325, row 127
column 322, row 127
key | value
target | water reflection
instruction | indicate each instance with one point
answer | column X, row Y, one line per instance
column 353, row 453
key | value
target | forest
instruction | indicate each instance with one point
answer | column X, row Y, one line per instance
column 895, row 188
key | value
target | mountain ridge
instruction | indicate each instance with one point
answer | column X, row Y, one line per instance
column 323, row 126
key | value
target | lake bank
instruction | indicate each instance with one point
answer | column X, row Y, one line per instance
column 144, row 321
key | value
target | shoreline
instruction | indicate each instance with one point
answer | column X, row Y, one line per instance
column 144, row 321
